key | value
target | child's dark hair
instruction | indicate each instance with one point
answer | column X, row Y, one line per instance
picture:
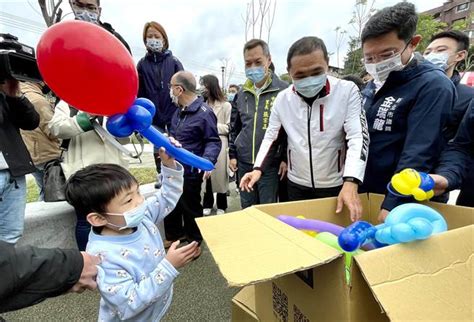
column 92, row 188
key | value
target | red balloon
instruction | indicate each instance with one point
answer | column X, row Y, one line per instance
column 88, row 67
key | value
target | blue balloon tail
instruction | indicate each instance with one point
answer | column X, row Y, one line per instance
column 182, row 155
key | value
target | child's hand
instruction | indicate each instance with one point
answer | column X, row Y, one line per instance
column 179, row 257
column 166, row 159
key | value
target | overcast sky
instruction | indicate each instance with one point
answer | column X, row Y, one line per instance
column 203, row 33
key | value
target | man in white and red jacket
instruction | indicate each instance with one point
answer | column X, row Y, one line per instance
column 322, row 119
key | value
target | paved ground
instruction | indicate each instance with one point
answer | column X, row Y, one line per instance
column 200, row 292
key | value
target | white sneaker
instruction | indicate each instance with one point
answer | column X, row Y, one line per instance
column 206, row 211
column 220, row 211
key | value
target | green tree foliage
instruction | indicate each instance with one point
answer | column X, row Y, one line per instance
column 287, row 78
column 427, row 27
column 353, row 64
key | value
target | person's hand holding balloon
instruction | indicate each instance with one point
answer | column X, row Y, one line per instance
column 166, row 159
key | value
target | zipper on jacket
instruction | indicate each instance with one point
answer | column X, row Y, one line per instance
column 159, row 72
column 321, row 118
column 310, row 147
column 289, row 159
column 257, row 99
column 180, row 121
column 339, row 160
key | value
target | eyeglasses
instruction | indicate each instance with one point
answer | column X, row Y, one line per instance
column 170, row 86
column 384, row 56
column 87, row 6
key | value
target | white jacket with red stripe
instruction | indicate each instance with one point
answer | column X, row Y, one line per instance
column 326, row 141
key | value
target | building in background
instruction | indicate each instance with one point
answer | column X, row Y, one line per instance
column 453, row 11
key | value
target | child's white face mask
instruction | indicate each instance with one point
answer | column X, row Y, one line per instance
column 132, row 217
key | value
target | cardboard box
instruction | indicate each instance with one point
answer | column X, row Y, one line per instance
column 424, row 280
column 243, row 306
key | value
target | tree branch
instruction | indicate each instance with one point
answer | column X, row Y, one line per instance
column 55, row 10
column 44, row 12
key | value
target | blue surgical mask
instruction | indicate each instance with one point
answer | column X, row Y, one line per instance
column 155, row 45
column 255, row 74
column 86, row 15
column 230, row 97
column 438, row 59
column 132, row 217
column 310, row 86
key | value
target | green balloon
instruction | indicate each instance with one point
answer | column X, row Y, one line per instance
column 331, row 240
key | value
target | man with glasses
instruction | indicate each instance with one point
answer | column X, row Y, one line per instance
column 90, row 11
column 194, row 125
column 407, row 103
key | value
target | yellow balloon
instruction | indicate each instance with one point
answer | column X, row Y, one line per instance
column 407, row 182
column 307, row 232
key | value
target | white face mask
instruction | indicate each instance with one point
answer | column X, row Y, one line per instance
column 86, row 15
column 155, row 45
column 174, row 98
column 132, row 217
column 380, row 71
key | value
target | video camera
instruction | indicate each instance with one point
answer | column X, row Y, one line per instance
column 17, row 61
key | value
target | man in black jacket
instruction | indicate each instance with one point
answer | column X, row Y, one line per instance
column 456, row 160
column 30, row 274
column 407, row 104
column 250, row 119
column 16, row 113
column 90, row 10
column 447, row 50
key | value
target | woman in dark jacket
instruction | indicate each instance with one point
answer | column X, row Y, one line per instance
column 155, row 71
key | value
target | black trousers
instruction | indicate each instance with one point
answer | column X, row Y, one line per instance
column 283, row 190
column 297, row 192
column 208, row 201
column 181, row 221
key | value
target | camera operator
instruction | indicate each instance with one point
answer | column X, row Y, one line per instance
column 16, row 113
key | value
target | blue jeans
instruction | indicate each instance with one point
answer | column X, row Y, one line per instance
column 266, row 189
column 39, row 175
column 83, row 228
column 12, row 206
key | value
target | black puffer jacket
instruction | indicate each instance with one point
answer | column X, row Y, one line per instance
column 29, row 275
column 16, row 114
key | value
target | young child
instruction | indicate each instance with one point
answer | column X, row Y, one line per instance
column 135, row 276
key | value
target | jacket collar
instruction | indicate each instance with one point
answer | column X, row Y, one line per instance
column 272, row 82
column 456, row 79
column 31, row 88
column 194, row 107
column 158, row 56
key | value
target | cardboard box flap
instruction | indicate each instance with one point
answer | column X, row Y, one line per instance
column 424, row 280
column 250, row 246
column 246, row 298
